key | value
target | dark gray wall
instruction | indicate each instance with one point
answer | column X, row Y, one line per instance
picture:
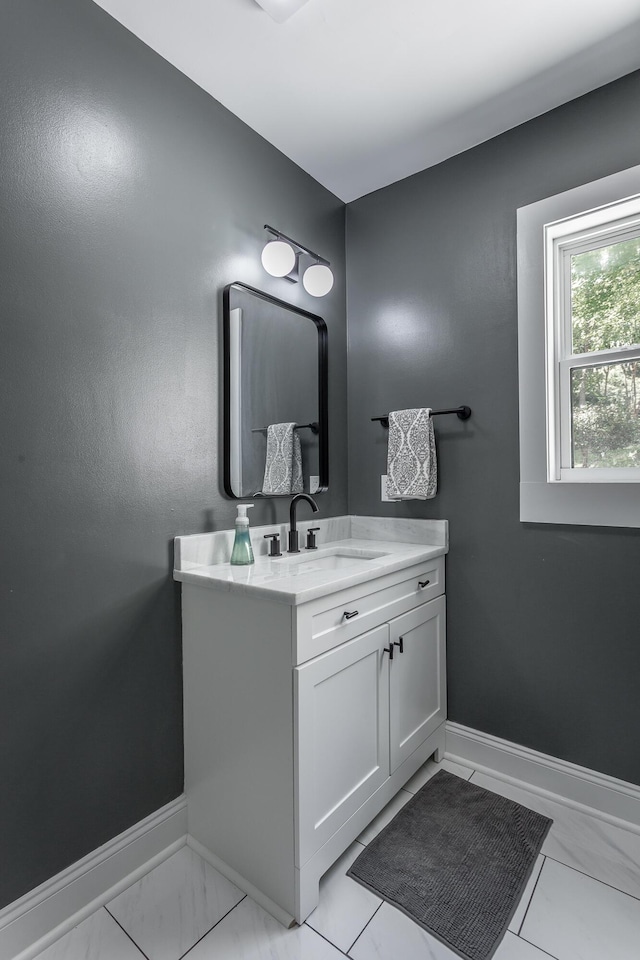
column 128, row 199
column 543, row 621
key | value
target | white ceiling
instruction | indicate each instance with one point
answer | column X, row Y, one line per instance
column 361, row 93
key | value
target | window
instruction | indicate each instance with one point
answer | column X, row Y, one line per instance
column 593, row 345
column 579, row 354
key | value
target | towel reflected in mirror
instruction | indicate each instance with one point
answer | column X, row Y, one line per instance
column 283, row 462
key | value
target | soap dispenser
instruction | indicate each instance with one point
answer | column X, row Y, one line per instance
column 242, row 553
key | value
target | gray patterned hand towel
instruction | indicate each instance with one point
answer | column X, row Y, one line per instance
column 412, row 470
column 283, row 465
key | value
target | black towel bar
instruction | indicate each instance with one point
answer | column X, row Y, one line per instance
column 299, row 426
column 463, row 413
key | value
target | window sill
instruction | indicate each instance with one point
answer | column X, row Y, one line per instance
column 599, row 504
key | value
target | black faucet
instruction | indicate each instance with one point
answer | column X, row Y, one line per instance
column 293, row 533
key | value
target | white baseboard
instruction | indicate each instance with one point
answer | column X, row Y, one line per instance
column 615, row 801
column 37, row 919
column 267, row 904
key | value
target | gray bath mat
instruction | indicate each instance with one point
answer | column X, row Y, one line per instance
column 456, row 860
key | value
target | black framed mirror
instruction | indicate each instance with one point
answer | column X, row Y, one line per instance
column 275, row 396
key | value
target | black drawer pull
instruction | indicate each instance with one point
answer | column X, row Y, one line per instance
column 399, row 643
column 423, row 583
column 388, row 650
column 348, row 614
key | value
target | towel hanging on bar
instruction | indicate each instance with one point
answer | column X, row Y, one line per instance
column 412, row 469
column 462, row 413
column 283, row 463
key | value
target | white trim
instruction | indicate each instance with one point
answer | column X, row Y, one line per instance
column 597, row 794
column 600, row 474
column 39, row 918
column 265, row 902
column 542, row 500
column 562, row 242
column 595, row 227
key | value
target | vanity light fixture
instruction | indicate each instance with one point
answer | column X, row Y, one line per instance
column 278, row 258
column 317, row 280
column 281, row 258
column 281, row 10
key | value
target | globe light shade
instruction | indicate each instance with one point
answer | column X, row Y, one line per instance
column 278, row 258
column 317, row 280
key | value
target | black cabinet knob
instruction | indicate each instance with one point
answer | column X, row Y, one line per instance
column 348, row 614
column 423, row 583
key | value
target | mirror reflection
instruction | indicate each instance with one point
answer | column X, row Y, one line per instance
column 275, row 396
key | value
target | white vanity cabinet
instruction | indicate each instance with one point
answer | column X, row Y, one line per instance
column 360, row 712
column 342, row 724
column 300, row 726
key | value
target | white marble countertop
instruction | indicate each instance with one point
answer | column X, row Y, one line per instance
column 376, row 546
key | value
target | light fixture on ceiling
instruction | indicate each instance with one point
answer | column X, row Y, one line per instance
column 281, row 258
column 281, row 10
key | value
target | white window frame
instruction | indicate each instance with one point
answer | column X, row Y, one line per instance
column 549, row 231
column 603, row 227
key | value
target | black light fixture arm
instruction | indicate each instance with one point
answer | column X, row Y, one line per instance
column 298, row 246
column 463, row 413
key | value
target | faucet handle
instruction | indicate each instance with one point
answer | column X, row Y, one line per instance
column 311, row 538
column 274, row 546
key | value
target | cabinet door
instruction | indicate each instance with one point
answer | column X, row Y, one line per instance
column 417, row 678
column 342, row 749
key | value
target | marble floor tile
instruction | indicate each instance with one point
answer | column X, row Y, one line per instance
column 527, row 893
column 391, row 935
column 385, row 816
column 345, row 906
column 513, row 948
column 570, row 909
column 97, row 938
column 174, row 905
column 574, row 917
column 248, row 933
column 589, row 844
column 430, row 768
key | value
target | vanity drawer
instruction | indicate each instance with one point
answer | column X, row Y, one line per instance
column 322, row 624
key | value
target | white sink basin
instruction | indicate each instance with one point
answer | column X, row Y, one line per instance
column 334, row 558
